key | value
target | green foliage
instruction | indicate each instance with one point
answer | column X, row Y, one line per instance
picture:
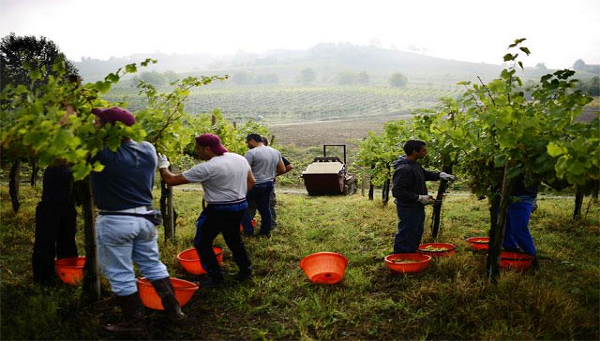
column 307, row 76
column 398, row 80
column 54, row 121
column 495, row 123
column 20, row 55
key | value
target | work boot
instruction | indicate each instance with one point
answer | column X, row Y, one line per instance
column 243, row 275
column 535, row 265
column 133, row 312
column 215, row 280
column 165, row 291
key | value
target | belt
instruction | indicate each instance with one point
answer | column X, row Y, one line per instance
column 139, row 209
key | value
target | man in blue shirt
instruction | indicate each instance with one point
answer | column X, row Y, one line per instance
column 123, row 194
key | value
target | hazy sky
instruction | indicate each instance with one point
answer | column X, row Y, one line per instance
column 558, row 31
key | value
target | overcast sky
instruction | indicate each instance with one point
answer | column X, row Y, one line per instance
column 558, row 32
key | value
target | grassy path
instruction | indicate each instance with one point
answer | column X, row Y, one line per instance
column 451, row 300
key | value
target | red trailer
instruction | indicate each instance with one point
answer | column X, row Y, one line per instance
column 329, row 175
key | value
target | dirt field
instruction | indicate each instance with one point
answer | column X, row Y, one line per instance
column 310, row 134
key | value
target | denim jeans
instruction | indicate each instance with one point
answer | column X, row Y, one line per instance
column 410, row 229
column 123, row 240
column 272, row 206
column 224, row 219
column 517, row 232
column 261, row 193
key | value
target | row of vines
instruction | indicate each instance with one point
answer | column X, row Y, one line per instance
column 288, row 103
column 496, row 132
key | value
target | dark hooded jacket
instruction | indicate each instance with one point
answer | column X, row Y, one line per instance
column 409, row 182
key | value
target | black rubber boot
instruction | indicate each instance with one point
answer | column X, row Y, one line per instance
column 214, row 280
column 133, row 312
column 165, row 291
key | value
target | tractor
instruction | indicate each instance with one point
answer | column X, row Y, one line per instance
column 328, row 175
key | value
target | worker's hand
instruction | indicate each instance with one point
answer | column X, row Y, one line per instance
column 163, row 162
column 426, row 199
column 447, row 177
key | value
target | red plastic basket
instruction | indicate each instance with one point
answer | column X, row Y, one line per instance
column 479, row 243
column 70, row 270
column 324, row 267
column 448, row 249
column 184, row 291
column 421, row 262
column 515, row 261
column 190, row 260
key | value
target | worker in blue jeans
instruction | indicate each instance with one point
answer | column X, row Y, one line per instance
column 126, row 228
column 516, row 234
column 410, row 192
column 266, row 163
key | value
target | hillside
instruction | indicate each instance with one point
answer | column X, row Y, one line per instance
column 328, row 60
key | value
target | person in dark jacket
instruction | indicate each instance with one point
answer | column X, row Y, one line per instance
column 55, row 224
column 410, row 192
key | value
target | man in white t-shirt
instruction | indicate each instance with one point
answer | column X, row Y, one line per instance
column 266, row 164
column 226, row 178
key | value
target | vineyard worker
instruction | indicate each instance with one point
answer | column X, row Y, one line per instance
column 266, row 164
column 226, row 178
column 55, row 215
column 55, row 223
column 516, row 234
column 273, row 198
column 126, row 234
column 410, row 192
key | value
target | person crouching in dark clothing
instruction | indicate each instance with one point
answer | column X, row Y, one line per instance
column 410, row 192
column 55, row 224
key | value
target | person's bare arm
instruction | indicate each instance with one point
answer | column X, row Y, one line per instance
column 250, row 180
column 280, row 167
column 172, row 179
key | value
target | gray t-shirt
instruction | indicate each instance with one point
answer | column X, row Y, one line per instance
column 224, row 178
column 263, row 160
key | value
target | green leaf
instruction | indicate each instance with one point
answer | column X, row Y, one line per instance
column 112, row 77
column 526, row 50
column 508, row 57
column 131, row 68
column 97, row 167
column 35, row 74
column 520, row 64
column 103, row 87
column 555, row 150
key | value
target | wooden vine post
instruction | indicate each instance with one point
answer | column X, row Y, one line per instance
column 437, row 207
column 499, row 226
column 13, row 185
column 91, row 279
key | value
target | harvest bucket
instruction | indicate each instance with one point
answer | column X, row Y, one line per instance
column 515, row 260
column 437, row 249
column 70, row 270
column 324, row 267
column 415, row 262
column 479, row 243
column 190, row 260
column 184, row 290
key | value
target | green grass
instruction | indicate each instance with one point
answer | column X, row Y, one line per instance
column 451, row 300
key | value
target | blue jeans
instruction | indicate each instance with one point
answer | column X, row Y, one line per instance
column 260, row 193
column 123, row 240
column 517, row 232
column 410, row 229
